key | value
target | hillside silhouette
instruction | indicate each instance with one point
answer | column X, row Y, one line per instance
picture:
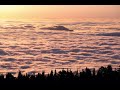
column 103, row 77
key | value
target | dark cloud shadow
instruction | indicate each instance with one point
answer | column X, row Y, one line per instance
column 2, row 52
column 25, row 67
column 60, row 28
column 110, row 34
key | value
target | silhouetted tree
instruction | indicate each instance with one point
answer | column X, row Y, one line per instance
column 1, row 77
column 103, row 76
column 9, row 76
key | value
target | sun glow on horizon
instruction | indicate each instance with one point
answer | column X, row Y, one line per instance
column 8, row 8
column 58, row 11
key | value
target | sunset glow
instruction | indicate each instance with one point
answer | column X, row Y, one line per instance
column 44, row 37
column 58, row 11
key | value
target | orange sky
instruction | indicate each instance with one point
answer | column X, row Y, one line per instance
column 58, row 11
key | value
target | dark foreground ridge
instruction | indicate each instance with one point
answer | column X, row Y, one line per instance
column 103, row 77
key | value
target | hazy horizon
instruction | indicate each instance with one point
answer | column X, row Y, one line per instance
column 44, row 37
column 37, row 12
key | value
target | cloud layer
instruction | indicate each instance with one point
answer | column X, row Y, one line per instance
column 33, row 47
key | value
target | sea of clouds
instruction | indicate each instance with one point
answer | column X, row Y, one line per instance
column 33, row 47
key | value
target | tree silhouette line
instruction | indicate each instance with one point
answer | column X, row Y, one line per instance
column 67, row 78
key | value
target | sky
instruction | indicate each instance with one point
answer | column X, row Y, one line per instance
column 58, row 11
